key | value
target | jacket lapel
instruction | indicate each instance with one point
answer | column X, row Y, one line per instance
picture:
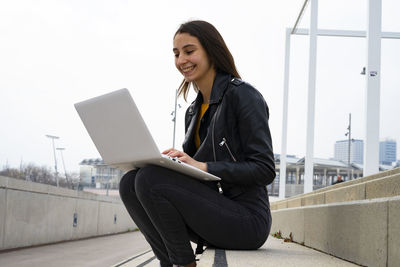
column 193, row 113
column 220, row 85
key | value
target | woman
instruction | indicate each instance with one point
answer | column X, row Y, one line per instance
column 227, row 135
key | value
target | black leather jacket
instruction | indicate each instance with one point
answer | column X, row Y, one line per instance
column 235, row 140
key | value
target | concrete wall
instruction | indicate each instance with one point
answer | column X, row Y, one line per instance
column 383, row 184
column 357, row 220
column 34, row 214
column 365, row 232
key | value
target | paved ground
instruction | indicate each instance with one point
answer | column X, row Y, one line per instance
column 131, row 247
column 276, row 252
column 273, row 253
column 101, row 251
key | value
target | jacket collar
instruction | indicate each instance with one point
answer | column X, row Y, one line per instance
column 221, row 83
column 219, row 87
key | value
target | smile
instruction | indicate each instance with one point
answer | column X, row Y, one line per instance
column 187, row 69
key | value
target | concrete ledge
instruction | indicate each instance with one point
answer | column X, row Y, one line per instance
column 274, row 252
column 46, row 214
column 355, row 231
column 383, row 187
column 280, row 223
column 361, row 180
column 59, row 191
column 112, row 199
column 394, row 233
column 314, row 199
column 383, row 184
column 280, row 205
column 27, row 186
column 348, row 193
column 21, row 185
column 2, row 216
column 356, row 220
column 294, row 203
column 87, row 195
column 366, row 232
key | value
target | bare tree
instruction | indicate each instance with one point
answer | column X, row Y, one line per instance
column 35, row 173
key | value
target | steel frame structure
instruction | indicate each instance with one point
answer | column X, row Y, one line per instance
column 373, row 37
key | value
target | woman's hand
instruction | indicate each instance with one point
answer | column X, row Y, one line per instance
column 182, row 156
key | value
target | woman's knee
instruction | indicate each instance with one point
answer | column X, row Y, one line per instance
column 127, row 183
column 147, row 177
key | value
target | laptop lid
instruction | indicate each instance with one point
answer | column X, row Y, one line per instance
column 117, row 129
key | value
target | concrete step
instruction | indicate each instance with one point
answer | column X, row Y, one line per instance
column 296, row 199
column 366, row 232
column 145, row 258
column 364, row 188
column 275, row 252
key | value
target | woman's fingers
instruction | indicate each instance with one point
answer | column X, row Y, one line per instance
column 168, row 150
column 172, row 152
column 176, row 154
column 182, row 156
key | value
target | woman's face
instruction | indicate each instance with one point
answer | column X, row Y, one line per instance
column 190, row 58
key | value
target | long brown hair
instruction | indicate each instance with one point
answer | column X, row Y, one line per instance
column 214, row 45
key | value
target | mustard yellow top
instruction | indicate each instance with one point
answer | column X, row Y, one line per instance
column 203, row 110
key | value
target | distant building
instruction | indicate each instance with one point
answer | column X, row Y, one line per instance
column 325, row 171
column 356, row 151
column 387, row 152
column 95, row 173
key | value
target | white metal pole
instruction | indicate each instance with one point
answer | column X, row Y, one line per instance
column 282, row 169
column 61, row 149
column 52, row 137
column 349, row 149
column 309, row 166
column 55, row 160
column 371, row 146
column 174, row 119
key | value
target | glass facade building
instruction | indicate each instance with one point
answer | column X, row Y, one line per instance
column 356, row 151
column 387, row 152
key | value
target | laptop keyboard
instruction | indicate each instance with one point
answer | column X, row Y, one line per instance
column 177, row 160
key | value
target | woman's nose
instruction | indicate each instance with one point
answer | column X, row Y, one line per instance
column 181, row 60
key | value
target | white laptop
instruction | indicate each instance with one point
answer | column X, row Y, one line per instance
column 122, row 138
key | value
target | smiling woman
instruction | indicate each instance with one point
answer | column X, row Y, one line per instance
column 192, row 61
column 203, row 37
column 227, row 134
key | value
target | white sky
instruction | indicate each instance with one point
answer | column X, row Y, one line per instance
column 56, row 53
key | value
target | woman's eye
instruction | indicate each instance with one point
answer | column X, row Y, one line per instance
column 176, row 55
column 189, row 52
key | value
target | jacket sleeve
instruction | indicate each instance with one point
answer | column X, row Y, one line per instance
column 255, row 165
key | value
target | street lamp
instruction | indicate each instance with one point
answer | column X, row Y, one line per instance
column 61, row 149
column 173, row 114
column 52, row 137
column 348, row 133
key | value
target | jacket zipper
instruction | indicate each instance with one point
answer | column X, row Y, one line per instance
column 224, row 142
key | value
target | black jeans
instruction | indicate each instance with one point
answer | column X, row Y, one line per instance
column 171, row 209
